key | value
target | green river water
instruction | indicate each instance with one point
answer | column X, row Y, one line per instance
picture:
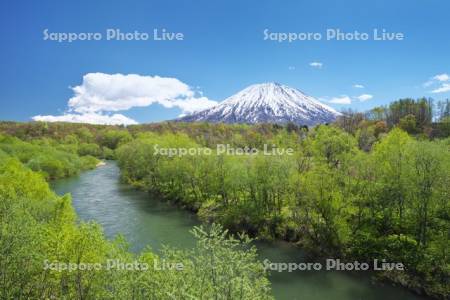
column 99, row 195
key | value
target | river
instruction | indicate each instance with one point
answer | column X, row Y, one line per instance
column 100, row 196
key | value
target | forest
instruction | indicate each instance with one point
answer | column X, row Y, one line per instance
column 41, row 236
column 370, row 186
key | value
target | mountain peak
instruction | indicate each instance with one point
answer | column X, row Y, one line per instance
column 271, row 83
column 269, row 102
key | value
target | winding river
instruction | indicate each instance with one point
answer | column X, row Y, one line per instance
column 99, row 195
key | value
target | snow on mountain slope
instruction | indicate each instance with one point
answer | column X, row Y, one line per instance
column 267, row 103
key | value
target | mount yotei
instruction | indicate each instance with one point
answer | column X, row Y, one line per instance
column 267, row 103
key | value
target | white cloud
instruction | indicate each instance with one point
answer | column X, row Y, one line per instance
column 189, row 106
column 92, row 118
column 115, row 92
column 436, row 80
column 100, row 93
column 358, row 86
column 445, row 87
column 442, row 77
column 316, row 64
column 343, row 99
column 364, row 97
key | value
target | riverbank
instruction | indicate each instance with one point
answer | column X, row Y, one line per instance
column 391, row 277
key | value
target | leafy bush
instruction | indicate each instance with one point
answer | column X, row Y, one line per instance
column 89, row 149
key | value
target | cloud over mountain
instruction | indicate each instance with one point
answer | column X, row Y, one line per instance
column 100, row 93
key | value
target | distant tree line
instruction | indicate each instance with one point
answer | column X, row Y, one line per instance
column 418, row 117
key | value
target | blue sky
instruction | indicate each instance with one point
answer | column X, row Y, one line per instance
column 223, row 51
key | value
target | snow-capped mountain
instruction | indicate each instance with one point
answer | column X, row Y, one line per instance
column 267, row 103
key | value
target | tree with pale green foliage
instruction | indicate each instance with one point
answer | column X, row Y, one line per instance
column 356, row 197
